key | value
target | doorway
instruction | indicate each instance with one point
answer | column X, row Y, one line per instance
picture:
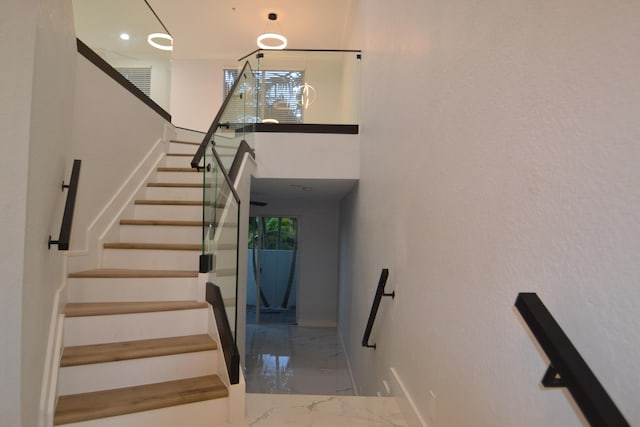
column 272, row 276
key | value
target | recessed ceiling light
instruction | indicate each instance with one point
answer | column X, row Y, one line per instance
column 125, row 36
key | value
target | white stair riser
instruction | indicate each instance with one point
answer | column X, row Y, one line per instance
column 160, row 234
column 183, row 149
column 226, row 235
column 127, row 373
column 225, row 259
column 147, row 259
column 188, row 177
column 173, row 193
column 136, row 326
column 208, row 413
column 227, row 286
column 168, row 212
column 131, row 289
column 178, row 161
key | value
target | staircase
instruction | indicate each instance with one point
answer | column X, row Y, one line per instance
column 139, row 346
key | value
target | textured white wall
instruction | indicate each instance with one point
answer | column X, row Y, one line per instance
column 112, row 132
column 511, row 165
column 306, row 155
column 17, row 35
column 196, row 91
column 49, row 133
column 317, row 257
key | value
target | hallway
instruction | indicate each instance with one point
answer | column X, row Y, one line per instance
column 288, row 359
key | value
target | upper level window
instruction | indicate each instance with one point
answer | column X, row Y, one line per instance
column 279, row 93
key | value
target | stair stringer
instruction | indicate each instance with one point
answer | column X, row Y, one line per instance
column 105, row 225
column 236, row 398
column 242, row 185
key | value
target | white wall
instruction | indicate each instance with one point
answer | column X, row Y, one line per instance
column 38, row 48
column 512, row 156
column 112, row 133
column 305, row 155
column 196, row 91
column 317, row 257
column 17, row 35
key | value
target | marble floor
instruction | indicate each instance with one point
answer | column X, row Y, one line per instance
column 288, row 359
column 277, row 410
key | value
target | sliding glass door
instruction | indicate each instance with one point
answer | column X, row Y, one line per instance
column 272, row 276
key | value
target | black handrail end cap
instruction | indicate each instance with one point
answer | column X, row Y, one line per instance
column 206, row 263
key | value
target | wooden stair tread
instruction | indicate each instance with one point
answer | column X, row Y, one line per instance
column 180, row 155
column 225, row 272
column 164, row 222
column 110, row 403
column 226, row 246
column 185, row 142
column 169, row 202
column 148, row 202
column 79, row 309
column 128, row 273
column 174, row 185
column 126, row 350
column 154, row 246
column 168, row 169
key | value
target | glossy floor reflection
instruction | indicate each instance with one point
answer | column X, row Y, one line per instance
column 288, row 359
column 276, row 410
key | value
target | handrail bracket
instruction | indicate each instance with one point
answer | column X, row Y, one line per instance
column 552, row 378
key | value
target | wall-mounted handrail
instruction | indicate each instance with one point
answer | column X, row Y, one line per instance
column 69, row 207
column 567, row 368
column 229, row 347
column 195, row 162
column 382, row 282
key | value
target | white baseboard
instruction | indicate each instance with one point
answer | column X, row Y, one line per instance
column 354, row 387
column 405, row 402
column 52, row 361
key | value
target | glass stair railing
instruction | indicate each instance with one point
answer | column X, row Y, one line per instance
column 224, row 142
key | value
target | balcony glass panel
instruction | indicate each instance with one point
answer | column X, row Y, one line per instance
column 313, row 87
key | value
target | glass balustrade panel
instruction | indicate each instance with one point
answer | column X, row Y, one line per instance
column 221, row 212
column 238, row 116
column 119, row 32
column 312, row 87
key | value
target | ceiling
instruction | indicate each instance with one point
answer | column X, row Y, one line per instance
column 228, row 28
column 264, row 190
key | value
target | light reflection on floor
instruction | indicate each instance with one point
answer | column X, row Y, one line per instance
column 288, row 359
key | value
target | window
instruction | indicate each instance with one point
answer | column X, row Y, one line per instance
column 139, row 76
column 279, row 93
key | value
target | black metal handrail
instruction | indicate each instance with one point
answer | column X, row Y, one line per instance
column 358, row 52
column 243, row 148
column 69, row 207
column 229, row 347
column 382, row 282
column 195, row 162
column 105, row 67
column 567, row 368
